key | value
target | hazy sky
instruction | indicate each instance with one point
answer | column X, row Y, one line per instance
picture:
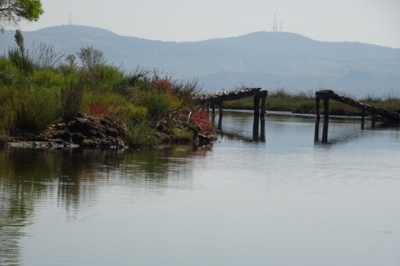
column 368, row 21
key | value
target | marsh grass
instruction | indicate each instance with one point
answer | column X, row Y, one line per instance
column 141, row 134
column 71, row 99
column 182, row 135
column 33, row 108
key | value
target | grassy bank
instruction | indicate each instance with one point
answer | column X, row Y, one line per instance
column 41, row 86
column 280, row 100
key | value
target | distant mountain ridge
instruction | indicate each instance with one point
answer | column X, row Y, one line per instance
column 261, row 59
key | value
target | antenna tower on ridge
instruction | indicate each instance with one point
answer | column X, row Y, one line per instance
column 70, row 19
column 275, row 27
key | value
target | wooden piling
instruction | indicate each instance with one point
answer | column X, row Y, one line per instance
column 326, row 120
column 256, row 115
column 317, row 120
column 221, row 107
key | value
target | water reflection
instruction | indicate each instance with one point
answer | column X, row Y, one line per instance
column 343, row 130
column 188, row 206
column 241, row 127
column 28, row 176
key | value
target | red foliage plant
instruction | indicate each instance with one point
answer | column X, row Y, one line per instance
column 202, row 119
column 102, row 110
column 164, row 86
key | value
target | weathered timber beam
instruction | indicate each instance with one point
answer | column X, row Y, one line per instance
column 228, row 95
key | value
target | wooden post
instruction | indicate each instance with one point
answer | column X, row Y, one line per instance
column 221, row 107
column 256, row 116
column 326, row 120
column 262, row 115
column 317, row 112
column 213, row 112
column 208, row 107
column 362, row 118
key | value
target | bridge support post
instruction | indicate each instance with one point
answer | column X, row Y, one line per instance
column 317, row 112
column 221, row 107
column 262, row 114
column 256, row 120
column 213, row 112
column 326, row 120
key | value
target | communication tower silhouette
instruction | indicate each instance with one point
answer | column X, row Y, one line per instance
column 70, row 19
column 275, row 27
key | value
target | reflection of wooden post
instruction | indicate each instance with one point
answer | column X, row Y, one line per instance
column 362, row 118
column 256, row 116
column 317, row 109
column 373, row 120
column 262, row 134
column 326, row 120
column 221, row 107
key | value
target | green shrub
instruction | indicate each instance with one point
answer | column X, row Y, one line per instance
column 156, row 104
column 33, row 108
column 21, row 61
column 48, row 77
column 8, row 72
column 102, row 78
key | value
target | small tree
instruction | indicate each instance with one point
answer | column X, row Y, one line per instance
column 13, row 11
column 91, row 57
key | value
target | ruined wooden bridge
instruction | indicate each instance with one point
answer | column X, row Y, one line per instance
column 326, row 95
column 218, row 98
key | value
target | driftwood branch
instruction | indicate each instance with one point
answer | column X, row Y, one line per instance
column 180, row 108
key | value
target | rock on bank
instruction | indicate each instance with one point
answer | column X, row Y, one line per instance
column 82, row 131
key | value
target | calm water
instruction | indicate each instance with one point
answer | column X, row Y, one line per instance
column 285, row 201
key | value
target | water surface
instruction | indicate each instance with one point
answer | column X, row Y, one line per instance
column 285, row 201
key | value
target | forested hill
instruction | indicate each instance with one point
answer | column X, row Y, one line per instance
column 261, row 59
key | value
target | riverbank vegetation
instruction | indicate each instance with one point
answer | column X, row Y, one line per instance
column 282, row 100
column 39, row 87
